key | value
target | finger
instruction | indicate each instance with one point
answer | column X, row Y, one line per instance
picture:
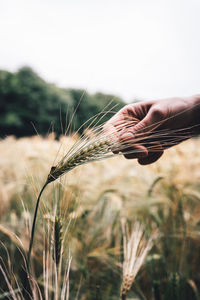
column 128, row 148
column 155, row 151
column 136, row 151
column 151, row 158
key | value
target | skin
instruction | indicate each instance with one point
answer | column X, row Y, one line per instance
column 177, row 118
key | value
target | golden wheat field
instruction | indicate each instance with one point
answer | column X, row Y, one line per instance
column 106, row 230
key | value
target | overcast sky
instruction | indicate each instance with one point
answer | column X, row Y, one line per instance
column 132, row 48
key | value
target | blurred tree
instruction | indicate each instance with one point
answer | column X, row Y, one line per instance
column 88, row 106
column 29, row 104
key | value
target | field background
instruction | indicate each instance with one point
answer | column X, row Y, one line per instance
column 109, row 230
column 92, row 202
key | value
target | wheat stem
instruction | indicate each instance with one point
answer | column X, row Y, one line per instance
column 27, row 289
column 33, row 227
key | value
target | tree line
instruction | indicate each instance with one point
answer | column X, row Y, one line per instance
column 30, row 105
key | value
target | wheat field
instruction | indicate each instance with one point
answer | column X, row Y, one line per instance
column 88, row 217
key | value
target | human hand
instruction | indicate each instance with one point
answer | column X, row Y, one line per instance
column 144, row 130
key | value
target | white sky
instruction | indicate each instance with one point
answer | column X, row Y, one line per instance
column 132, row 48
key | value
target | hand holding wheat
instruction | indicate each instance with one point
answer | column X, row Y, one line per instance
column 154, row 126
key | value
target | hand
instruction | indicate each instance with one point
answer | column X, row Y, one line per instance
column 145, row 129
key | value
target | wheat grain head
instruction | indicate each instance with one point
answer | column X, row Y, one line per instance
column 136, row 248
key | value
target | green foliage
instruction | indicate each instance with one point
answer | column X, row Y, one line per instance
column 29, row 104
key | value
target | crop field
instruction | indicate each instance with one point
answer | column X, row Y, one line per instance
column 107, row 230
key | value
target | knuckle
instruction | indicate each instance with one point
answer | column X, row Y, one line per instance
column 158, row 112
column 129, row 106
column 126, row 110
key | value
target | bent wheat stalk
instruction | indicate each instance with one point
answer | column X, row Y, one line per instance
column 84, row 152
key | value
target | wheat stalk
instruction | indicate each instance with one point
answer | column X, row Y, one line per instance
column 57, row 240
column 55, row 285
column 86, row 151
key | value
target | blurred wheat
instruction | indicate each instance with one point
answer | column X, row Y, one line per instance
column 93, row 199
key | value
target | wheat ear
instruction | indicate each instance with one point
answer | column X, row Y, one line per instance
column 91, row 151
column 136, row 248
